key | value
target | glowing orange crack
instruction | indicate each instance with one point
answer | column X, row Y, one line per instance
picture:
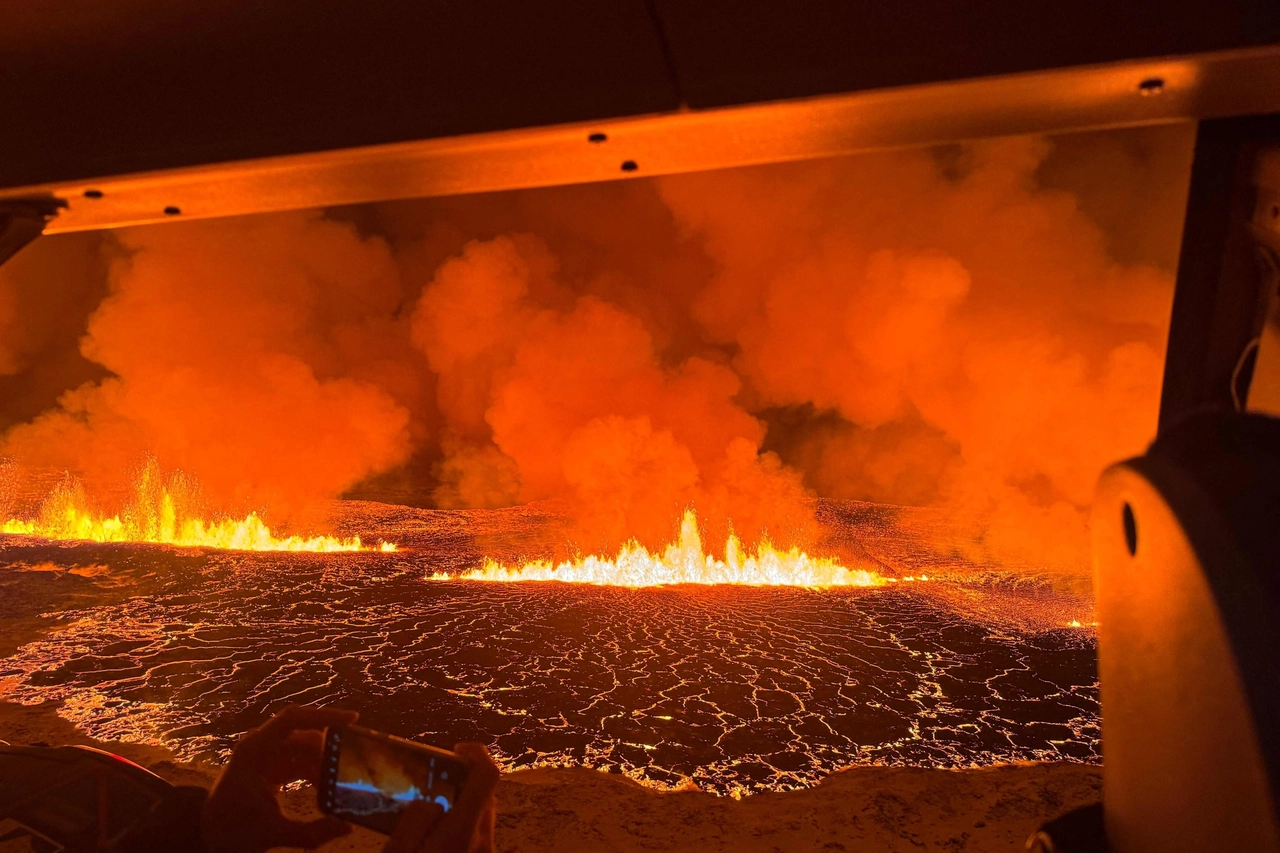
column 684, row 562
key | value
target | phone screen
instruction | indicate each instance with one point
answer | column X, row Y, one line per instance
column 369, row 778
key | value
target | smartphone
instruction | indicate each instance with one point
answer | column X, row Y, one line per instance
column 369, row 778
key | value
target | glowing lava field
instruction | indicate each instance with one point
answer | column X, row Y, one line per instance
column 740, row 689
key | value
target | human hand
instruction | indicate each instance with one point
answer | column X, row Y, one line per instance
column 242, row 814
column 467, row 827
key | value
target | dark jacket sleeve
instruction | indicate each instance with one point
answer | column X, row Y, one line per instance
column 173, row 826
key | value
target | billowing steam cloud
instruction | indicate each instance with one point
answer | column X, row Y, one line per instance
column 47, row 293
column 578, row 406
column 921, row 328
column 970, row 327
column 245, row 352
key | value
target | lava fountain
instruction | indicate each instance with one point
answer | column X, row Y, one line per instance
column 164, row 511
column 684, row 562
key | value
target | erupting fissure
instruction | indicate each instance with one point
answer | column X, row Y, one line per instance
column 684, row 562
column 165, row 511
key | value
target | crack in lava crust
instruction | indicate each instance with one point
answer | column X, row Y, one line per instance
column 740, row 689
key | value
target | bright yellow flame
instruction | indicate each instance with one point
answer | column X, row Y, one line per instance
column 165, row 511
column 684, row 562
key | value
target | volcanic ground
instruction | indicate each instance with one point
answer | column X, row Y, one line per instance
column 738, row 689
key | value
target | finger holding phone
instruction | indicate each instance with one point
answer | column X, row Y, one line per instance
column 467, row 827
column 242, row 813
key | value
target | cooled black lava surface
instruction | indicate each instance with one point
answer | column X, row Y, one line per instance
column 739, row 689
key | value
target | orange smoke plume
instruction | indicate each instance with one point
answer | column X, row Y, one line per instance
column 958, row 321
column 951, row 328
column 230, row 347
column 579, row 406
